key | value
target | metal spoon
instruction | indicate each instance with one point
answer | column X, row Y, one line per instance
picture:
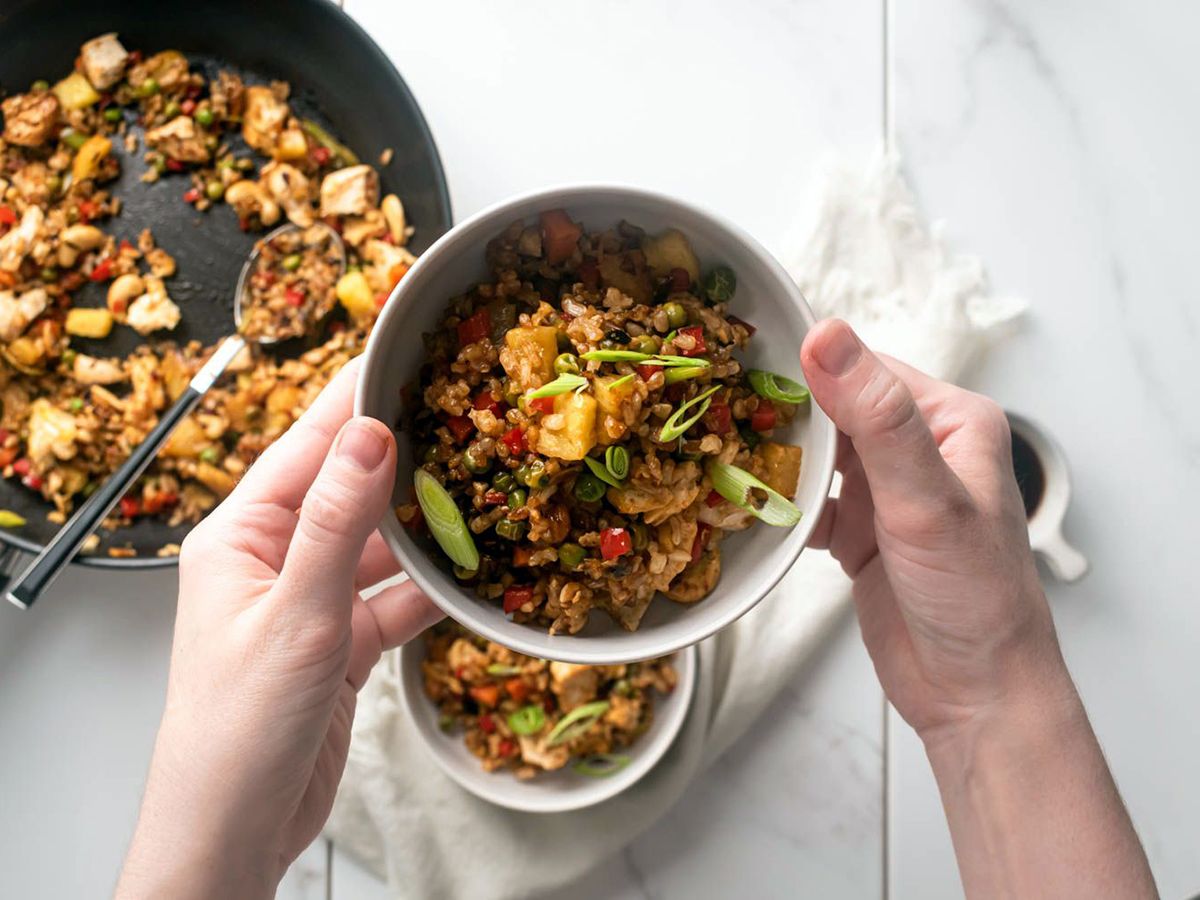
column 46, row 566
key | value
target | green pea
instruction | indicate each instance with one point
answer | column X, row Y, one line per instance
column 204, row 116
column 210, row 455
column 147, row 88
column 512, row 392
column 39, row 86
column 172, row 109
column 510, row 530
column 676, row 314
column 292, row 262
column 68, row 357
column 588, row 487
column 160, row 164
column 54, row 183
column 214, row 190
column 49, row 275
column 566, row 364
column 645, row 343
column 112, row 114
column 475, row 462
column 720, row 284
column 445, row 721
column 517, row 498
column 75, row 139
column 211, row 143
column 750, row 436
column 245, row 164
column 535, row 475
column 640, row 536
column 502, row 481
column 571, row 555
column 623, row 687
column 430, row 454
column 465, row 574
column 76, row 404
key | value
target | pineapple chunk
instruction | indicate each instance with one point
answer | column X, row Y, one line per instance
column 575, row 434
column 75, row 92
column 781, row 466
column 670, row 250
column 89, row 323
column 354, row 292
column 537, row 347
column 611, row 402
column 187, row 441
column 216, row 480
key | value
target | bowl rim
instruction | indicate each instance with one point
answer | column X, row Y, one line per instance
column 504, row 789
column 604, row 650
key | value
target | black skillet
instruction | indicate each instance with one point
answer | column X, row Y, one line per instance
column 339, row 78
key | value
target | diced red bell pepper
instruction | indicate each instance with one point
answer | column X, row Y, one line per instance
column 474, row 329
column 495, row 498
column 484, row 400
column 7, row 455
column 103, row 270
column 125, row 244
column 734, row 320
column 615, row 542
column 21, row 466
column 506, row 748
column 175, row 165
column 486, row 724
column 485, row 694
column 461, row 427
column 381, row 299
column 398, row 271
column 7, row 216
column 187, row 107
column 718, row 418
column 321, row 155
column 72, row 281
column 156, row 503
column 589, row 273
column 33, row 482
column 514, row 440
column 518, row 688
column 293, row 297
column 191, row 195
column 88, row 210
column 702, row 534
column 699, row 347
column 680, row 280
column 763, row 418
column 516, row 597
column 130, row 507
column 644, row 372
column 713, row 499
column 544, row 405
column 559, row 235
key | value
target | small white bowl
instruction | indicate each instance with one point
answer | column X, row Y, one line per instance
column 548, row 792
column 752, row 561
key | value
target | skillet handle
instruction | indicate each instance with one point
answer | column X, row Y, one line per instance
column 29, row 585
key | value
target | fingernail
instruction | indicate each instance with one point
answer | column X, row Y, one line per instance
column 362, row 444
column 840, row 350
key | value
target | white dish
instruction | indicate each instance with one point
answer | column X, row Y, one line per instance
column 753, row 561
column 548, row 792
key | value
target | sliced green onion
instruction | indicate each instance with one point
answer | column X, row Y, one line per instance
column 777, row 387
column 720, row 284
column 674, row 428
column 741, row 489
column 576, row 722
column 75, row 139
column 616, row 460
column 601, row 765
column 620, row 381
column 501, row 669
column 527, row 720
column 560, row 385
column 615, row 356
column 680, row 373
column 343, row 153
column 668, row 360
column 588, row 487
column 601, row 472
column 445, row 521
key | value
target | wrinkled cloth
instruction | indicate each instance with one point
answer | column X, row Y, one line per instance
column 869, row 257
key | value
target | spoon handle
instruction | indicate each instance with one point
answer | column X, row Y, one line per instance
column 29, row 585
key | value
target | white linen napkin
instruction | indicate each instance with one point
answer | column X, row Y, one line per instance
column 870, row 258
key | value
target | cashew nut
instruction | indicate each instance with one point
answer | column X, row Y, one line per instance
column 83, row 237
column 393, row 212
column 123, row 291
column 249, row 197
column 67, row 255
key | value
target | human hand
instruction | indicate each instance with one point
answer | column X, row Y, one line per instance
column 931, row 527
column 271, row 644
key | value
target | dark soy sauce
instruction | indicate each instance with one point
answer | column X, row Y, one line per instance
column 1031, row 479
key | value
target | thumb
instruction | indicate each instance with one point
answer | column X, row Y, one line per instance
column 340, row 511
column 876, row 410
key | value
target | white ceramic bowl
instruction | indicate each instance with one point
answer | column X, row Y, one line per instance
column 753, row 561
column 557, row 791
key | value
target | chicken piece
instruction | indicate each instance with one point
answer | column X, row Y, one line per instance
column 30, row 119
column 264, row 118
column 169, row 68
column 227, row 95
column 697, row 580
column 103, row 60
column 15, row 244
column 658, row 499
column 384, row 258
column 161, row 263
column 289, row 187
column 154, row 310
column 535, row 752
column 17, row 312
column 675, row 539
column 463, row 654
column 573, row 684
column 147, row 394
column 628, row 614
column 726, row 516
column 179, row 139
column 32, row 181
column 52, row 433
column 623, row 712
column 89, row 370
column 350, row 191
